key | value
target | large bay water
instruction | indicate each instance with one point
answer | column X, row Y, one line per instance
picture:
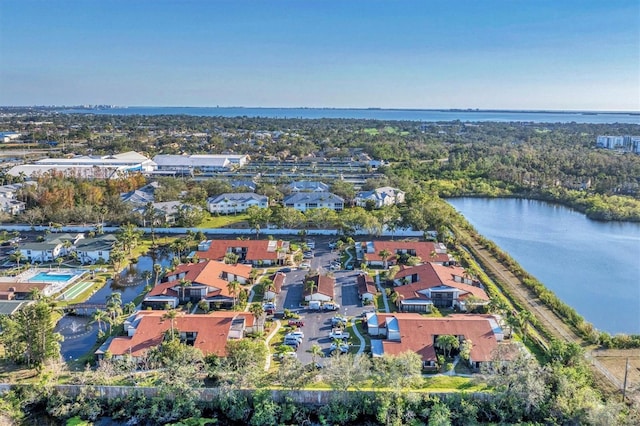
column 426, row 115
column 592, row 266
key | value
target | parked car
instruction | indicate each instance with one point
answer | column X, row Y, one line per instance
column 294, row 345
column 285, row 270
column 297, row 333
column 292, row 340
column 296, row 323
column 330, row 306
column 338, row 320
column 268, row 305
column 342, row 347
column 305, row 265
column 332, row 245
column 339, row 334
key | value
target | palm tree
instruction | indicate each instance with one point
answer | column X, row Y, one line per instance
column 384, row 255
column 258, row 311
column 157, row 269
column 183, row 285
column 35, row 294
column 114, row 304
column 171, row 314
column 446, row 342
column 233, row 287
column 17, row 256
column 146, row 275
column 150, row 218
column 316, row 351
column 523, row 318
column 310, row 285
column 100, row 317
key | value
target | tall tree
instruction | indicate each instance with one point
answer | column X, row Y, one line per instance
column 29, row 337
column 258, row 311
column 233, row 287
column 384, row 255
column 447, row 342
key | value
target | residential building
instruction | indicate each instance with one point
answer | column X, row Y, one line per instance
column 236, row 202
column 427, row 251
column 278, row 280
column 308, row 186
column 255, row 252
column 194, row 282
column 54, row 246
column 9, row 202
column 249, row 184
column 21, row 290
column 201, row 165
column 304, row 201
column 322, row 290
column 207, row 332
column 95, row 250
column 11, row 206
column 626, row 143
column 413, row 332
column 430, row 284
column 380, row 197
column 141, row 196
column 86, row 167
column 366, row 288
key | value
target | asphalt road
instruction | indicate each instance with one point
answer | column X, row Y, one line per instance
column 317, row 324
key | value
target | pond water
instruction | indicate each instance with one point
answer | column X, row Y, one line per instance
column 592, row 266
column 79, row 335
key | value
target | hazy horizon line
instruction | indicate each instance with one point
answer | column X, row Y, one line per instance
column 467, row 109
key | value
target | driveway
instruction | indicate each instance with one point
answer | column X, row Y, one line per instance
column 317, row 324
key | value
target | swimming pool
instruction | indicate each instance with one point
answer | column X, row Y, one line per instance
column 51, row 277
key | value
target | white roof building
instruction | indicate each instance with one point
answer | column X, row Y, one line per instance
column 198, row 164
column 106, row 167
column 236, row 202
column 385, row 196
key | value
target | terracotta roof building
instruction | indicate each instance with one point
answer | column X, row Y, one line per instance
column 428, row 251
column 209, row 333
column 430, row 284
column 193, row 282
column 366, row 288
column 404, row 332
column 322, row 288
column 256, row 252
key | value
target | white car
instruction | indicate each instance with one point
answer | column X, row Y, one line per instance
column 330, row 306
column 339, row 334
column 342, row 347
column 297, row 333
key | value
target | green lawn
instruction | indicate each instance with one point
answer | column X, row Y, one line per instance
column 222, row 221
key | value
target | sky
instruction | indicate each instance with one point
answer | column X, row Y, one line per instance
column 490, row 54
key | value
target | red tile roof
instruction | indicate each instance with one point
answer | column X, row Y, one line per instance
column 434, row 275
column 278, row 280
column 418, row 334
column 256, row 249
column 208, row 273
column 212, row 331
column 324, row 285
column 428, row 251
column 366, row 285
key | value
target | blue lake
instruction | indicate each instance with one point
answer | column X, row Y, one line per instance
column 425, row 115
column 592, row 266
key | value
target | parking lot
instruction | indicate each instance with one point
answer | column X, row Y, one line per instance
column 317, row 324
